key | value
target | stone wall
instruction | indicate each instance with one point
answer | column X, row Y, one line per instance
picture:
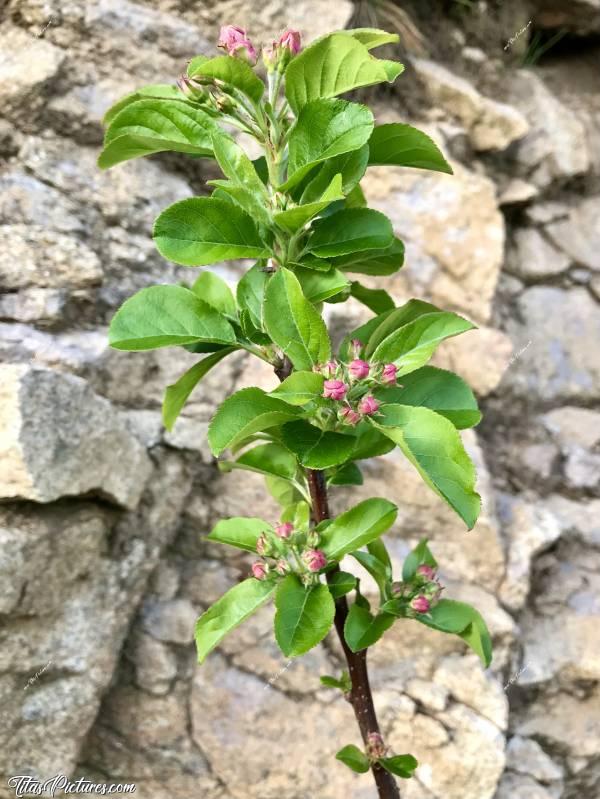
column 103, row 565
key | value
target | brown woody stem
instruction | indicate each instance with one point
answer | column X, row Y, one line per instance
column 360, row 697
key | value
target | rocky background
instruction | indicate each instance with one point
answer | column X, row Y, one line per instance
column 103, row 566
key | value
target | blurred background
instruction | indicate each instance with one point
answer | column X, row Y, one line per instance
column 103, row 567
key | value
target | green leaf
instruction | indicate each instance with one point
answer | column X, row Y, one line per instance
column 282, row 491
column 334, row 65
column 325, row 129
column 176, row 395
column 356, row 198
column 352, row 757
column 160, row 316
column 382, row 262
column 293, row 323
column 251, row 292
column 195, row 63
column 321, row 286
column 232, row 193
column 248, row 189
column 240, row 531
column 376, row 569
column 351, row 166
column 358, row 526
column 340, row 583
column 212, row 289
column 370, row 443
column 441, row 391
column 396, row 144
column 377, row 300
column 304, row 615
column 154, row 125
column 362, row 629
column 372, row 37
column 400, row 765
column 228, row 612
column 203, row 230
column 449, row 616
column 344, row 684
column 376, row 330
column 292, row 219
column 300, row 388
column 157, row 91
column 346, row 475
column 232, row 71
column 244, row 413
column 413, row 344
column 379, row 550
column 432, row 444
column 315, row 448
column 420, row 555
column 350, row 230
column 269, row 459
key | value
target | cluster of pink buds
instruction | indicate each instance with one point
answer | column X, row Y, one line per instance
column 351, row 383
column 422, row 592
column 235, row 41
column 428, row 589
column 303, row 546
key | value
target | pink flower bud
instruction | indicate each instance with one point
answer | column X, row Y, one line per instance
column 356, row 346
column 368, row 405
column 350, row 416
column 376, row 747
column 235, row 41
column 358, row 369
column 329, row 368
column 282, row 567
column 334, row 389
column 259, row 570
column 428, row 572
column 420, row 604
column 284, row 530
column 389, row 373
column 291, row 41
column 315, row 559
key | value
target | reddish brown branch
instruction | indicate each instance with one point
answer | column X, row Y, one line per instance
column 361, row 697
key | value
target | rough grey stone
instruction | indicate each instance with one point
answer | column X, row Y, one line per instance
column 33, row 256
column 61, row 439
column 491, row 125
column 77, row 572
column 556, row 364
column 527, row 757
column 556, row 146
column 581, row 16
column 529, row 529
column 146, row 26
column 578, row 236
column 28, row 65
column 24, row 199
column 533, row 256
column 171, row 621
